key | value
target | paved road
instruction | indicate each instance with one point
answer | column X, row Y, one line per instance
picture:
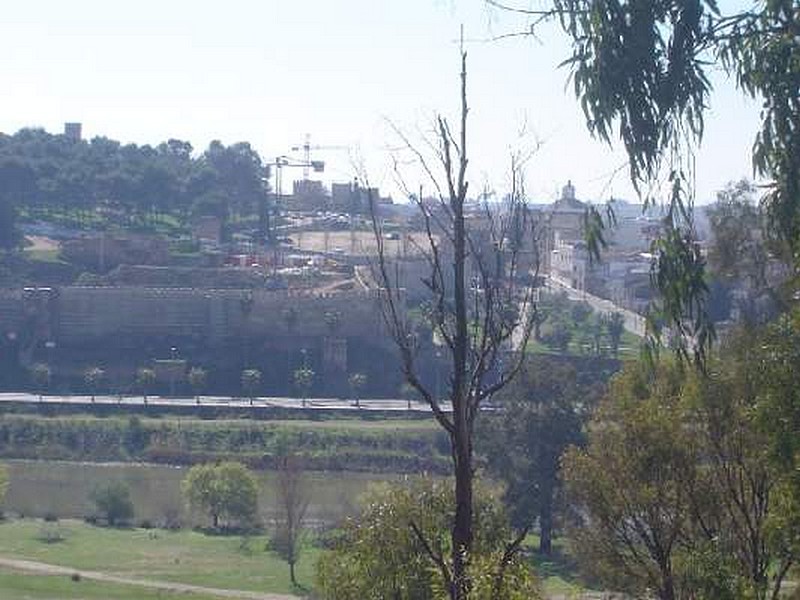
column 41, row 568
column 399, row 405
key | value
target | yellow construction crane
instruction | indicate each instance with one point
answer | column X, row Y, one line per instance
column 306, row 147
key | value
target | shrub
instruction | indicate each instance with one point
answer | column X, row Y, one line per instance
column 3, row 482
column 113, row 502
column 378, row 555
column 50, row 533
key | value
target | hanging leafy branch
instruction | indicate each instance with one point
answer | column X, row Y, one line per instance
column 640, row 72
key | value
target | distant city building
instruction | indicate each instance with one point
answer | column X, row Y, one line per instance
column 308, row 194
column 311, row 195
column 345, row 197
column 72, row 131
column 568, row 262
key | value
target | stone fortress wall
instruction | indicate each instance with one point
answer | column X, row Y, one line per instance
column 75, row 315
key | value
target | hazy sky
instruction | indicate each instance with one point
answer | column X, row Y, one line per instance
column 270, row 71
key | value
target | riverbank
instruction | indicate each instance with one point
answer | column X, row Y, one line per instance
column 180, row 557
column 368, row 446
column 61, row 489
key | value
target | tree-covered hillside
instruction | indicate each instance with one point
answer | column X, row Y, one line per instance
column 53, row 177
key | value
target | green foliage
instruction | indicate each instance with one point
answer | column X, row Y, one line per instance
column 9, row 236
column 760, row 47
column 641, row 68
column 145, row 379
column 580, row 312
column 17, row 179
column 736, row 230
column 543, row 412
column 558, row 337
column 227, row 491
column 628, row 484
column 678, row 273
column 198, row 378
column 688, row 484
column 40, row 375
column 293, row 500
column 3, row 482
column 615, row 325
column 135, row 437
column 304, row 380
column 636, row 68
column 378, row 555
column 135, row 187
column 709, row 573
column 181, row 556
column 357, row 383
column 93, row 378
column 251, row 380
column 113, row 502
column 776, row 377
column 343, row 447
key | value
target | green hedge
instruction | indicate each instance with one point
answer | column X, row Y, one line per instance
column 189, row 442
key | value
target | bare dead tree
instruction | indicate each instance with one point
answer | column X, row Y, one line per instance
column 293, row 502
column 481, row 310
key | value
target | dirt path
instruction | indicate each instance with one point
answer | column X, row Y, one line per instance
column 30, row 566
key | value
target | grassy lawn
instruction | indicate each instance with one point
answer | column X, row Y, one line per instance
column 49, row 255
column 558, row 572
column 629, row 347
column 25, row 586
column 182, row 556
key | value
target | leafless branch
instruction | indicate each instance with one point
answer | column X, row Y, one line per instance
column 437, row 558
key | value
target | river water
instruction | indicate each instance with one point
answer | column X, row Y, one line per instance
column 38, row 488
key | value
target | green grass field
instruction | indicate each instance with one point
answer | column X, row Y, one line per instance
column 629, row 348
column 184, row 556
column 24, row 586
column 49, row 255
column 558, row 573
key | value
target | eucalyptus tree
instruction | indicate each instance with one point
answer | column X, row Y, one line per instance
column 641, row 73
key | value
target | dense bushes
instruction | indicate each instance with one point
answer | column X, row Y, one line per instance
column 190, row 442
column 113, row 502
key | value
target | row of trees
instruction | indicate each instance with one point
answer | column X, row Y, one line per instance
column 197, row 377
column 52, row 174
column 560, row 321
